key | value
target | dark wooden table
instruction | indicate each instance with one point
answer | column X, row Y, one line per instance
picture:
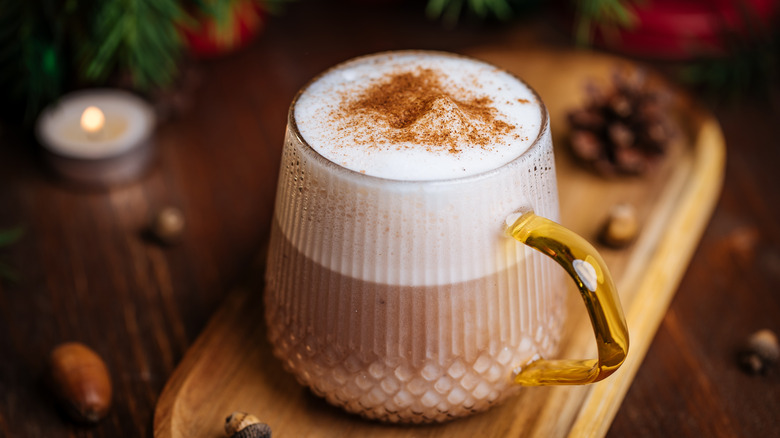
column 87, row 273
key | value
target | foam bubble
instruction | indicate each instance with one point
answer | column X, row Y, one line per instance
column 479, row 118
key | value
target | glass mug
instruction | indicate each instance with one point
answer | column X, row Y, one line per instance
column 412, row 301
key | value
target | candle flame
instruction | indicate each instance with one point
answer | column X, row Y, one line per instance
column 92, row 120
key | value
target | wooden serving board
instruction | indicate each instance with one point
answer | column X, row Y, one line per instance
column 230, row 366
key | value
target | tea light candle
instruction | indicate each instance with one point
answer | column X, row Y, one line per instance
column 99, row 136
column 92, row 121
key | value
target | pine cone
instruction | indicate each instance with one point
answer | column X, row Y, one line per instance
column 623, row 131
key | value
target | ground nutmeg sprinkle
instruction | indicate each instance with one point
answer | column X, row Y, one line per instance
column 415, row 108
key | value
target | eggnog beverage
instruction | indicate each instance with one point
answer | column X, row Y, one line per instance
column 392, row 287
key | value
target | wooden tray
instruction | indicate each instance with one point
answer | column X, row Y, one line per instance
column 230, row 366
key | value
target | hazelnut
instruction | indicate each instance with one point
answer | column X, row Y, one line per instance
column 761, row 351
column 243, row 425
column 80, row 379
column 621, row 227
column 168, row 225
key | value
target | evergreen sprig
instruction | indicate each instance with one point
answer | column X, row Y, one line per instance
column 589, row 14
column 450, row 10
column 604, row 15
column 137, row 36
column 48, row 46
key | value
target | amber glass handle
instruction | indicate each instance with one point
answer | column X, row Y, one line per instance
column 587, row 268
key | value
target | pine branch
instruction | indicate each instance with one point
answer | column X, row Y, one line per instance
column 136, row 36
column 590, row 15
column 450, row 10
column 604, row 15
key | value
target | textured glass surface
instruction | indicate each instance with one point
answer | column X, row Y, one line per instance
column 407, row 301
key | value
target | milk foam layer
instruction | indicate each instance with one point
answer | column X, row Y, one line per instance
column 413, row 233
column 326, row 118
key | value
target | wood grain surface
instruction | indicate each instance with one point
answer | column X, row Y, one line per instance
column 87, row 273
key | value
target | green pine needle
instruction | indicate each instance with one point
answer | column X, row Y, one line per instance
column 48, row 46
column 601, row 14
column 136, row 36
column 590, row 14
column 450, row 10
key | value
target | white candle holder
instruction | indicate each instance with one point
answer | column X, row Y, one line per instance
column 98, row 137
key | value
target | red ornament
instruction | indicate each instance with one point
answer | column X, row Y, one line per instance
column 682, row 29
column 208, row 39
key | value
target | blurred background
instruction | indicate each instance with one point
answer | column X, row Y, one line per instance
column 49, row 48
column 103, row 262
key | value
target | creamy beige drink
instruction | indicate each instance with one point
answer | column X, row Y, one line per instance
column 392, row 287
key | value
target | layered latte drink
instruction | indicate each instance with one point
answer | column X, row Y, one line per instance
column 392, row 287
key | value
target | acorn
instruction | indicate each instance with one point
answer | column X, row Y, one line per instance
column 80, row 379
column 761, row 351
column 168, row 225
column 621, row 226
column 243, row 425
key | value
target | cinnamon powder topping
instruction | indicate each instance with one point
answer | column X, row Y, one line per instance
column 415, row 108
